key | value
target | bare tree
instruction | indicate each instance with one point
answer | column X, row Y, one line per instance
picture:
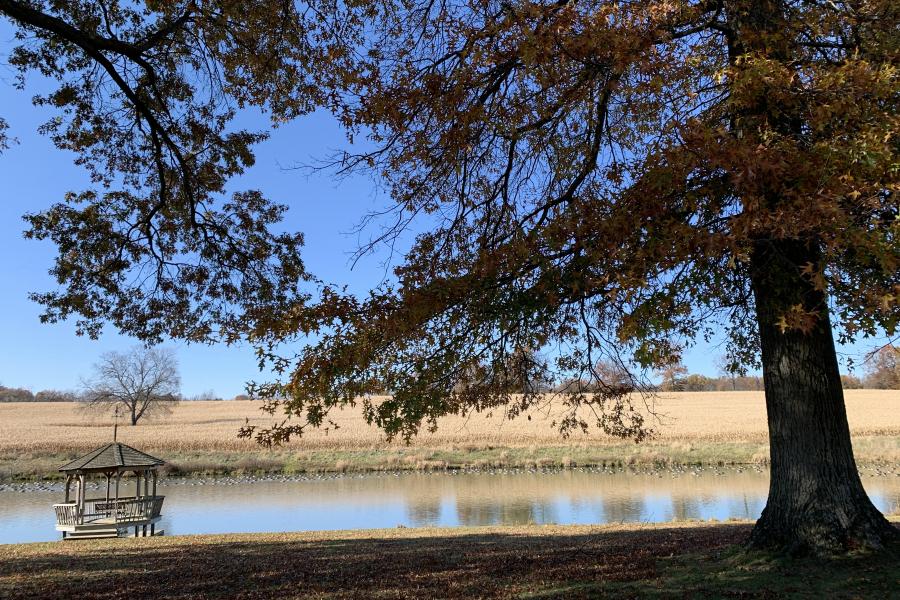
column 883, row 368
column 614, row 375
column 138, row 382
column 727, row 370
column 672, row 377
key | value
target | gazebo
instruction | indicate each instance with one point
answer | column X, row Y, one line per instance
column 113, row 514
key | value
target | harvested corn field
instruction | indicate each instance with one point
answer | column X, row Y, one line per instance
column 201, row 436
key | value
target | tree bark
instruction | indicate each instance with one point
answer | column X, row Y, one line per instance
column 816, row 500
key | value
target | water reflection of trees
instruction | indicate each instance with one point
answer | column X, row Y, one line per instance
column 685, row 507
column 622, row 509
column 424, row 510
column 517, row 512
column 566, row 497
column 704, row 506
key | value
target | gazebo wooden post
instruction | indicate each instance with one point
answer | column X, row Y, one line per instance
column 153, row 525
column 77, row 495
column 145, row 494
column 108, row 475
column 68, row 483
column 116, row 508
column 137, row 495
column 81, row 480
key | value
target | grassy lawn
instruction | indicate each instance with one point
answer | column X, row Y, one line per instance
column 679, row 560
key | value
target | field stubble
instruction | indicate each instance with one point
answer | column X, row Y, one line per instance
column 707, row 427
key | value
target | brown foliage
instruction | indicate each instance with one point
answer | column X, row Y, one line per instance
column 596, row 174
column 144, row 95
column 597, row 178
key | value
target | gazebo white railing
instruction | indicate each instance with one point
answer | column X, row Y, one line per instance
column 100, row 510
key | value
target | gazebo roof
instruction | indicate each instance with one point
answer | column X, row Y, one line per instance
column 115, row 456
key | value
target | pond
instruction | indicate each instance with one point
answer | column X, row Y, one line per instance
column 445, row 499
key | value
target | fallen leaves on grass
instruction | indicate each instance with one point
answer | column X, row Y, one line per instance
column 408, row 563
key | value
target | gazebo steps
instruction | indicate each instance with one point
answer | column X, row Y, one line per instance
column 93, row 534
column 97, row 525
column 109, row 525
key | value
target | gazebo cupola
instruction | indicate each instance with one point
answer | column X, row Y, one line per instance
column 115, row 513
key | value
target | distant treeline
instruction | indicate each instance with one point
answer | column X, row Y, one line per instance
column 10, row 394
column 694, row 382
column 882, row 373
column 702, row 383
column 22, row 395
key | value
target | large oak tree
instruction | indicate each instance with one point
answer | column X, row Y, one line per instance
column 602, row 178
column 592, row 181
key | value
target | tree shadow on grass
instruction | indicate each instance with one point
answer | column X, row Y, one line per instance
column 538, row 563
column 737, row 572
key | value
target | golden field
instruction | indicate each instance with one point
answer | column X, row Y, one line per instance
column 683, row 417
column 201, row 436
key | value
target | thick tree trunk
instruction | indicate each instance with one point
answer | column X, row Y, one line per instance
column 816, row 500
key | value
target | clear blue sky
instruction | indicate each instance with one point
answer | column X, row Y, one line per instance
column 35, row 174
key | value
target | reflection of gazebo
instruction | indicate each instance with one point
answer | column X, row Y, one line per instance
column 113, row 514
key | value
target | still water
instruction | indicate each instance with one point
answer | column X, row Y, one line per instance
column 437, row 499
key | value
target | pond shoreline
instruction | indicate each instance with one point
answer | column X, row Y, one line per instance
column 56, row 485
column 871, row 452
